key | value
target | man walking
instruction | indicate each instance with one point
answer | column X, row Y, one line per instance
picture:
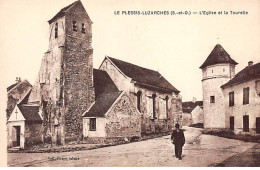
column 178, row 140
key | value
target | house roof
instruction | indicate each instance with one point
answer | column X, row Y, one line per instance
column 63, row 11
column 248, row 73
column 143, row 75
column 10, row 87
column 30, row 113
column 218, row 55
column 187, row 107
column 106, row 94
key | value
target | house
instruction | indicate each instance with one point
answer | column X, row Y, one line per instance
column 77, row 102
column 192, row 112
column 242, row 100
column 15, row 93
column 217, row 70
column 156, row 99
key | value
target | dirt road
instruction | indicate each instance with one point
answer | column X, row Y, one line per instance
column 199, row 150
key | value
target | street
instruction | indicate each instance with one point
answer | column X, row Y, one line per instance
column 199, row 150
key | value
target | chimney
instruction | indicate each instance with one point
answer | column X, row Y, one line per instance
column 194, row 100
column 18, row 80
column 250, row 63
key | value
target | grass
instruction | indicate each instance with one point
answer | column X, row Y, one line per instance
column 232, row 135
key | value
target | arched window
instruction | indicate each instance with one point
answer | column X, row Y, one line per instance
column 56, row 30
column 154, row 108
column 74, row 26
column 139, row 93
column 166, row 107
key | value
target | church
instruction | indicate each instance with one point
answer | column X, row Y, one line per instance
column 71, row 101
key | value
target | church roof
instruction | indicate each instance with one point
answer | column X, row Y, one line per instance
column 248, row 73
column 106, row 94
column 218, row 55
column 187, row 107
column 30, row 113
column 63, row 11
column 143, row 75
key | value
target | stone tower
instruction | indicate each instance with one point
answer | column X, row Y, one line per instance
column 217, row 70
column 64, row 87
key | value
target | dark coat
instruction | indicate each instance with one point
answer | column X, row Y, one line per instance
column 178, row 137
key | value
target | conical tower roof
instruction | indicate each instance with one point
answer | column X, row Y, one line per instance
column 218, row 55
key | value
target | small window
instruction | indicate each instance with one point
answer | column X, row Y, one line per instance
column 56, row 30
column 223, row 70
column 92, row 124
column 212, row 99
column 231, row 99
column 246, row 95
column 74, row 26
column 212, row 71
column 83, row 28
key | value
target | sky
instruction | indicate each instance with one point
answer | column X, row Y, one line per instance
column 174, row 45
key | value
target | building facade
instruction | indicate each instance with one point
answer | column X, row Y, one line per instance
column 192, row 112
column 242, row 100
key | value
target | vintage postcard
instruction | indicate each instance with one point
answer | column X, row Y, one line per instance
column 133, row 83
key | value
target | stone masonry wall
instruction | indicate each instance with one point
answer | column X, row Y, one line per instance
column 77, row 72
column 123, row 120
column 32, row 134
column 149, row 125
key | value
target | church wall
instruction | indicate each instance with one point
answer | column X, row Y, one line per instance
column 123, row 119
column 149, row 125
column 122, row 82
column 33, row 134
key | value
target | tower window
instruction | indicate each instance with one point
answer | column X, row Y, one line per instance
column 139, row 93
column 212, row 71
column 212, row 99
column 83, row 28
column 56, row 30
column 223, row 70
column 74, row 26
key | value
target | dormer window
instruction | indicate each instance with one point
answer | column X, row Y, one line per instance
column 74, row 26
column 83, row 28
column 56, row 30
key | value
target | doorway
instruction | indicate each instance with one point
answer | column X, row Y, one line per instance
column 232, row 122
column 258, row 125
column 17, row 136
column 246, row 123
